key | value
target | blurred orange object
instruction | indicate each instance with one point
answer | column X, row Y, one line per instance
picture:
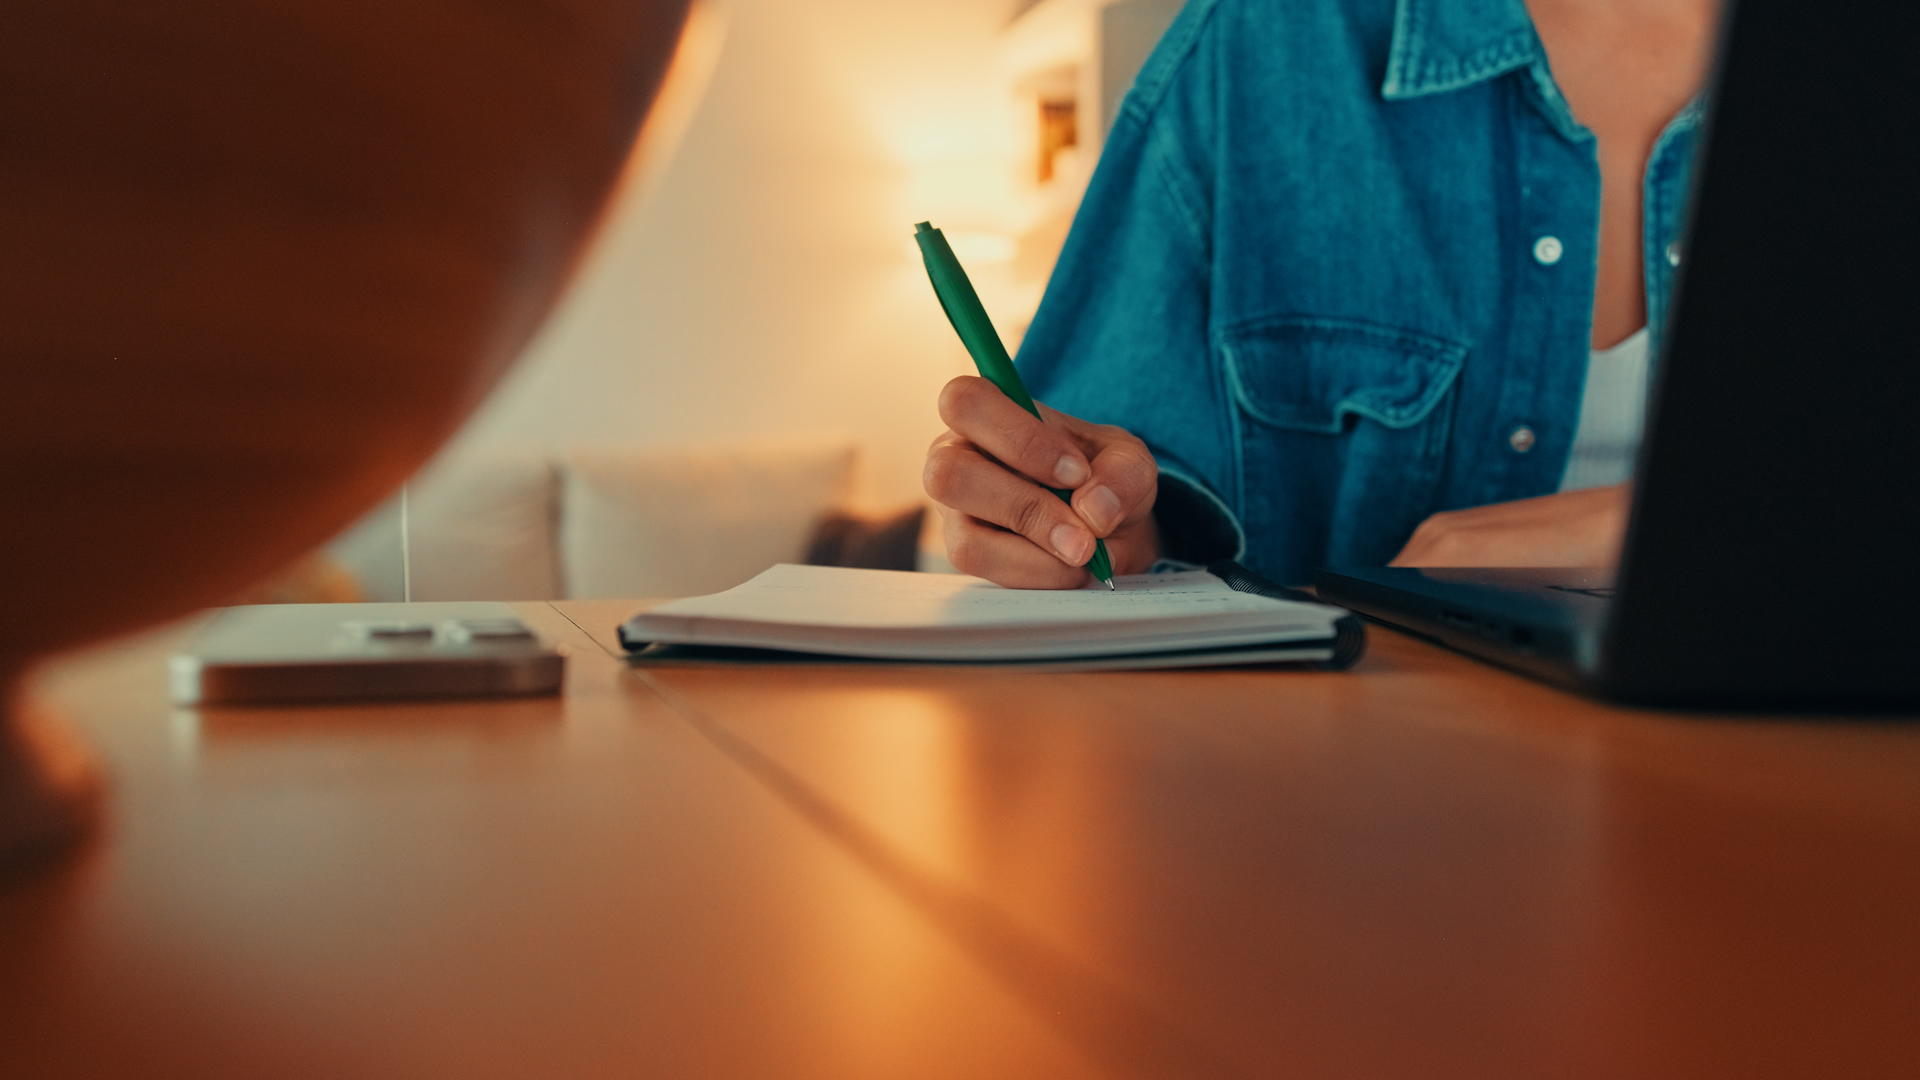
column 262, row 258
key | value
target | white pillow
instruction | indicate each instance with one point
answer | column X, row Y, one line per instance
column 645, row 523
column 481, row 527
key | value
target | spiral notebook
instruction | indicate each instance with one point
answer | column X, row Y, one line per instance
column 1219, row 616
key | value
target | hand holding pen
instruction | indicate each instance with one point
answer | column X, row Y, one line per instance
column 1031, row 495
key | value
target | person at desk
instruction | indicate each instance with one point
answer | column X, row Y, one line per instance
column 1357, row 281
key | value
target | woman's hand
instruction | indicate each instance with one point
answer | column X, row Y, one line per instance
column 991, row 473
column 1575, row 528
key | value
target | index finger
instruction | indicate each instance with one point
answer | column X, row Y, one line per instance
column 976, row 409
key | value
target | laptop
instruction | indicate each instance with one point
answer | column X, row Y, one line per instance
column 1772, row 558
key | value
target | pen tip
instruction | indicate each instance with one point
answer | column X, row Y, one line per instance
column 1110, row 585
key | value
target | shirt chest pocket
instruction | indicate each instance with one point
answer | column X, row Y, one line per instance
column 1342, row 429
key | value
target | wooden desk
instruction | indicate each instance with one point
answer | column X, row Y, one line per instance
column 1425, row 868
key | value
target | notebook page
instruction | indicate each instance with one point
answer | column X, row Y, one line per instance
column 825, row 596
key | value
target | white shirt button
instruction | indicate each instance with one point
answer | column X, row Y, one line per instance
column 1673, row 254
column 1547, row 250
column 1522, row 439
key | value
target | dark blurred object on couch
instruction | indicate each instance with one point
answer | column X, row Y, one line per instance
column 891, row 542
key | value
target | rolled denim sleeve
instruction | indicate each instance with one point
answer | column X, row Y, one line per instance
column 1195, row 525
column 1121, row 336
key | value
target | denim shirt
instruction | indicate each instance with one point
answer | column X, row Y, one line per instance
column 1336, row 267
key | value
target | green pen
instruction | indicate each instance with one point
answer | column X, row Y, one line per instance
column 970, row 321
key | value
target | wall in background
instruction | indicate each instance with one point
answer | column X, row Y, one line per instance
column 767, row 286
column 756, row 281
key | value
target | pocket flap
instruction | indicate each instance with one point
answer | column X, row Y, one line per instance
column 1311, row 374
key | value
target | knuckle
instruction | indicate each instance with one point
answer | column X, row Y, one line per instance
column 1119, row 438
column 1033, row 518
column 965, row 552
column 1140, row 465
column 1033, row 447
column 959, row 397
column 1127, row 458
column 941, row 477
column 1065, row 422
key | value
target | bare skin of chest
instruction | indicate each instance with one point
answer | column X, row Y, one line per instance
column 1626, row 68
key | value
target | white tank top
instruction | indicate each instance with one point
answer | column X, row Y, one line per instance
column 1613, row 409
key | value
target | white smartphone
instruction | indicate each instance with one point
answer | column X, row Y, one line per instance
column 282, row 654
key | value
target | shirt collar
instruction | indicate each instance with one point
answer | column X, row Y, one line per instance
column 1443, row 45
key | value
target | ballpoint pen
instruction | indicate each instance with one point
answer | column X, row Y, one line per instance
column 976, row 332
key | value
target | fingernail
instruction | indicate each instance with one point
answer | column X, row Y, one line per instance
column 1072, row 543
column 1070, row 472
column 1101, row 507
